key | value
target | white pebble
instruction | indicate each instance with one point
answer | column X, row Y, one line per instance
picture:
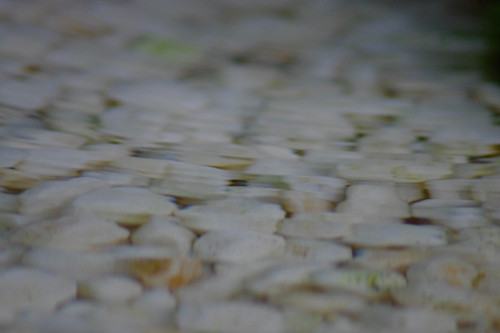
column 232, row 214
column 127, row 205
column 164, row 232
column 228, row 317
column 394, row 234
column 30, row 289
column 312, row 250
column 373, row 200
column 47, row 198
column 110, row 289
column 319, row 225
column 238, row 246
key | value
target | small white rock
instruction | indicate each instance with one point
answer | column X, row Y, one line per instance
column 312, row 250
column 373, row 200
column 324, row 225
column 232, row 214
column 394, row 234
column 110, row 289
column 238, row 246
column 367, row 282
column 164, row 232
column 71, row 232
column 47, row 198
column 127, row 205
column 229, row 317
column 23, row 288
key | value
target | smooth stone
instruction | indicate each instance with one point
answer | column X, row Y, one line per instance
column 61, row 162
column 277, row 167
column 147, row 167
column 172, row 273
column 126, row 205
column 72, row 264
column 304, row 201
column 281, row 279
column 9, row 221
column 117, row 178
column 110, row 289
column 384, row 318
column 49, row 197
column 484, row 189
column 318, row 251
column 491, row 209
column 465, row 303
column 373, row 169
column 448, row 269
column 393, row 140
column 451, row 213
column 165, row 232
column 367, row 282
column 28, row 289
column 323, row 161
column 394, row 234
column 225, row 317
column 159, row 94
column 17, row 180
column 9, row 203
column 398, row 260
column 477, row 139
column 238, row 246
column 332, row 189
column 232, row 214
column 325, row 225
column 450, row 188
column 156, row 303
column 10, row 157
column 71, row 232
column 220, row 287
column 322, row 302
column 370, row 200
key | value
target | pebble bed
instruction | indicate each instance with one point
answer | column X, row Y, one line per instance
column 246, row 166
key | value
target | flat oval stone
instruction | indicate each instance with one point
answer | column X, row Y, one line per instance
column 238, row 246
column 452, row 213
column 28, row 289
column 281, row 279
column 449, row 269
column 164, row 232
column 371, row 199
column 323, row 302
column 110, row 289
column 393, row 170
column 232, row 214
column 313, row 250
column 159, row 94
column 394, row 234
column 326, row 225
column 225, row 317
column 368, row 282
column 82, row 231
column 49, row 197
column 126, row 205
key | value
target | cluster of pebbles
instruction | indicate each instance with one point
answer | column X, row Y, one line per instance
column 245, row 166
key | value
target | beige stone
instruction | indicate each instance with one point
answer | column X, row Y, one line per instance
column 48, row 198
column 225, row 317
column 28, row 289
column 127, row 205
column 165, row 232
column 232, row 214
column 326, row 225
column 238, row 246
column 110, row 289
